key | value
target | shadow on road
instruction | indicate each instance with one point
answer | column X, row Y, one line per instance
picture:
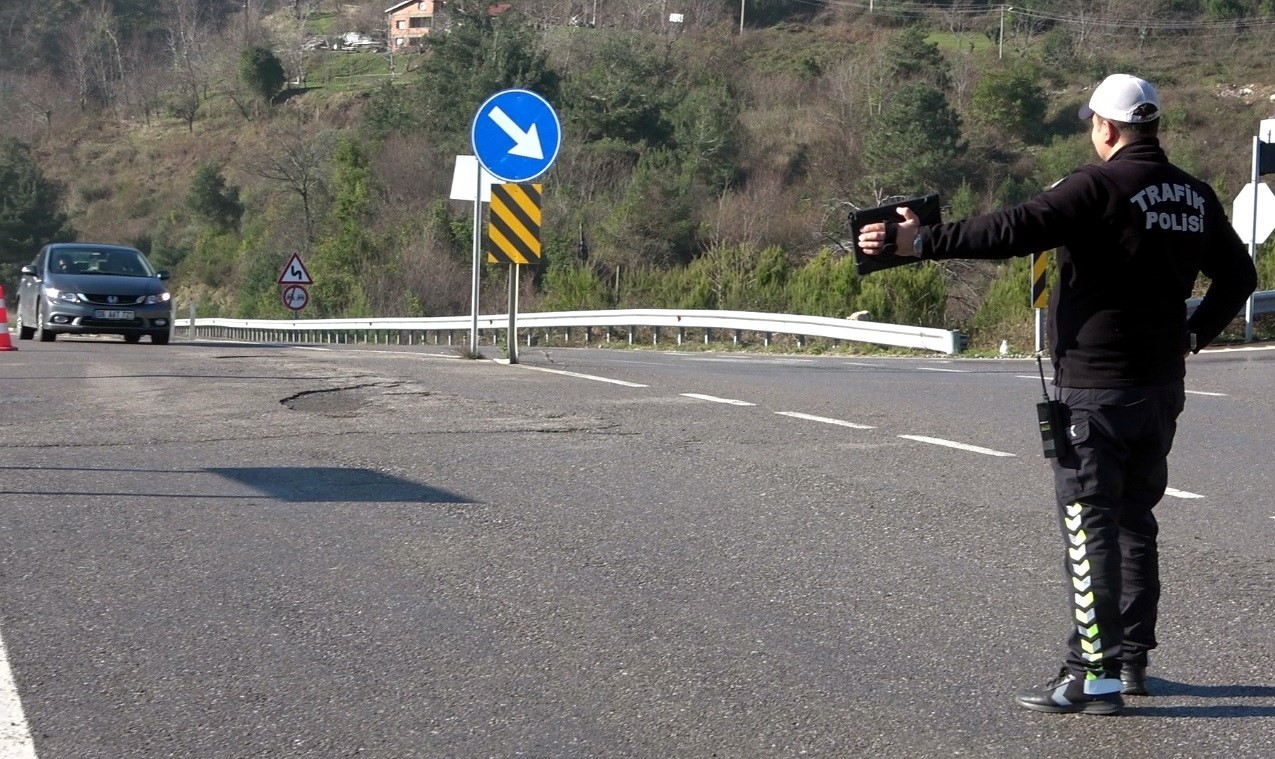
column 1170, row 688
column 1147, row 708
column 322, row 484
column 327, row 484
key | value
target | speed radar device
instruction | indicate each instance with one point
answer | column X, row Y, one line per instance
column 926, row 207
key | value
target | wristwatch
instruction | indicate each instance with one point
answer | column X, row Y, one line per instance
column 917, row 243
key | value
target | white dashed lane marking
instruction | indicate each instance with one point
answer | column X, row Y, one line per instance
column 15, row 735
column 936, row 369
column 577, row 375
column 825, row 420
column 1181, row 493
column 715, row 399
column 958, row 446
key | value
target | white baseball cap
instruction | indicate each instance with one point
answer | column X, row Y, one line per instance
column 1121, row 97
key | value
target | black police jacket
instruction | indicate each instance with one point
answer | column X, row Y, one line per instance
column 1132, row 235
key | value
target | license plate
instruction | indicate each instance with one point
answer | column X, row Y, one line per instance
column 112, row 314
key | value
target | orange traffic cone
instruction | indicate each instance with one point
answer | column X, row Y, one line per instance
column 6, row 344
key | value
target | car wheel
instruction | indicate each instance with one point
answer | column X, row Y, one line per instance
column 132, row 338
column 159, row 338
column 24, row 332
column 43, row 332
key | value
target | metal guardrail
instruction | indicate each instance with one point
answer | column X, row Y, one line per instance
column 412, row 330
column 438, row 328
column 1263, row 303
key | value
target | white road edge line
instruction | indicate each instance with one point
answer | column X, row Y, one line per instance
column 825, row 420
column 577, row 375
column 1181, row 493
column 15, row 734
column 1189, row 392
column 1207, row 351
column 715, row 399
column 934, row 369
column 954, row 444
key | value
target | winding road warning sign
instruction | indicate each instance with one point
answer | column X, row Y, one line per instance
column 294, row 272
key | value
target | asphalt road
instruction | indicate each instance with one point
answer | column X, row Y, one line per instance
column 233, row 550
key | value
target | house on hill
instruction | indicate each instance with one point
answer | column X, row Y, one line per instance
column 411, row 21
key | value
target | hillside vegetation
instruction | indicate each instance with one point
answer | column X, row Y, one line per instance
column 700, row 167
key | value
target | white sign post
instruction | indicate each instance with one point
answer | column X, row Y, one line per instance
column 1254, row 211
column 470, row 181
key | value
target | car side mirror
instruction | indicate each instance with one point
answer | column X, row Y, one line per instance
column 29, row 271
column 162, row 274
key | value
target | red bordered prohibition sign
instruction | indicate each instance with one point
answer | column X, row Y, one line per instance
column 296, row 297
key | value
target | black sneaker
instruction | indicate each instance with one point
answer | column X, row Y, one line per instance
column 1134, row 680
column 1070, row 694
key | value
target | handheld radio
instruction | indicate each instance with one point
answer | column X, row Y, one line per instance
column 1049, row 413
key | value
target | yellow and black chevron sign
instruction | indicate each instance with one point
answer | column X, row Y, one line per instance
column 1040, row 279
column 513, row 230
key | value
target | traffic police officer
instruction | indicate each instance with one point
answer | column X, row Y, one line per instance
column 1133, row 233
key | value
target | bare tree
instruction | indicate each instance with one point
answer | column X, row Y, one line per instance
column 294, row 38
column 42, row 97
column 297, row 155
column 186, row 35
column 76, row 43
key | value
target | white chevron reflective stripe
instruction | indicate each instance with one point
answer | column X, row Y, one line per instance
column 1081, row 569
column 1082, row 583
column 1072, row 523
column 1085, row 616
column 1091, row 647
column 1078, row 538
column 1059, row 695
column 1073, row 509
column 1084, row 601
column 1077, row 553
column 1092, row 657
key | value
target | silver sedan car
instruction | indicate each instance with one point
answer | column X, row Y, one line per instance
column 92, row 288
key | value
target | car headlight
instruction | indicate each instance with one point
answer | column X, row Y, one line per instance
column 152, row 300
column 57, row 294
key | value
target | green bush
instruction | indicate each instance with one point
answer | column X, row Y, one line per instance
column 574, row 287
column 1007, row 306
column 915, row 294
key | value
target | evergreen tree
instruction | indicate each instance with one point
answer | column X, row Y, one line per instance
column 348, row 249
column 619, row 96
column 1011, row 101
column 30, row 214
column 262, row 72
column 211, row 199
column 480, row 55
column 914, row 145
column 911, row 58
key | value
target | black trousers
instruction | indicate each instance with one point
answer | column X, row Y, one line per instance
column 1108, row 481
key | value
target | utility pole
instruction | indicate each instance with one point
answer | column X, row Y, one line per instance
column 741, row 17
column 1000, row 51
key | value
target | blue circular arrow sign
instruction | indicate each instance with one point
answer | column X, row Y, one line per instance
column 516, row 135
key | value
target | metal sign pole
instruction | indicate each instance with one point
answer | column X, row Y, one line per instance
column 478, row 231
column 1040, row 330
column 513, row 313
column 1252, row 241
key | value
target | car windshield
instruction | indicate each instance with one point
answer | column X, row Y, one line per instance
column 118, row 262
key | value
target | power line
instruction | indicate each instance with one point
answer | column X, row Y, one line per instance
column 1228, row 26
